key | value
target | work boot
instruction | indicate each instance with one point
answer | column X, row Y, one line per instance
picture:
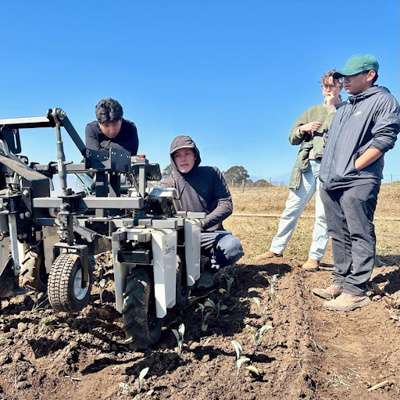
column 347, row 302
column 311, row 265
column 331, row 292
column 268, row 254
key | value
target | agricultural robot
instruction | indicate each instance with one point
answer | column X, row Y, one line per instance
column 47, row 242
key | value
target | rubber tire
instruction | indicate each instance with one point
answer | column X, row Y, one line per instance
column 62, row 277
column 182, row 289
column 140, row 324
column 33, row 271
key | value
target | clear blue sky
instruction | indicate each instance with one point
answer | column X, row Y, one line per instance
column 234, row 75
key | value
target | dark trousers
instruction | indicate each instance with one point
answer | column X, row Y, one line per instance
column 349, row 215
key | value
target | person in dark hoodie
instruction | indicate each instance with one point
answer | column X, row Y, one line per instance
column 204, row 189
column 362, row 131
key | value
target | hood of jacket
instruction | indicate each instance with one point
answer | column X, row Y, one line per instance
column 183, row 142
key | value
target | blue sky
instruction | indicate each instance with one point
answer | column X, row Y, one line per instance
column 234, row 75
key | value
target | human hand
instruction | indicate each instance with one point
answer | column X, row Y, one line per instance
column 329, row 100
column 311, row 126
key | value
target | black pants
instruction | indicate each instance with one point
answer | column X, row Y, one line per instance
column 349, row 215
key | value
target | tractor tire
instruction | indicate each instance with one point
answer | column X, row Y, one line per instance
column 141, row 325
column 33, row 271
column 65, row 284
column 182, row 289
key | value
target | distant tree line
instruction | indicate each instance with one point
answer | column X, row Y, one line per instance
column 236, row 176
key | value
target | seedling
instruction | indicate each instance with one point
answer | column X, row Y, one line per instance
column 142, row 374
column 204, row 316
column 258, row 303
column 179, row 337
column 217, row 307
column 257, row 335
column 271, row 282
column 45, row 324
column 127, row 388
column 240, row 360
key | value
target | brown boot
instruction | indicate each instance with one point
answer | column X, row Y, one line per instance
column 329, row 293
column 311, row 265
column 347, row 302
column 268, row 254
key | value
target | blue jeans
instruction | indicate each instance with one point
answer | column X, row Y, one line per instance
column 221, row 246
column 295, row 204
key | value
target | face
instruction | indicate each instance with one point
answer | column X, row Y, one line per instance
column 358, row 83
column 330, row 87
column 184, row 159
column 111, row 129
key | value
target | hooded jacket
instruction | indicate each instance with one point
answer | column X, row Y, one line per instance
column 201, row 189
column 370, row 119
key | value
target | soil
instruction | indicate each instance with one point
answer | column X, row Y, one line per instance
column 309, row 353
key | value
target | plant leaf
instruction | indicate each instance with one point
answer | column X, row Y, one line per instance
column 204, row 327
column 265, row 328
column 238, row 348
column 143, row 373
column 182, row 330
column 175, row 332
column 252, row 368
column 257, row 301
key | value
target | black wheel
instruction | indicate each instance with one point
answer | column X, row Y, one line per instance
column 182, row 289
column 141, row 325
column 33, row 271
column 65, row 284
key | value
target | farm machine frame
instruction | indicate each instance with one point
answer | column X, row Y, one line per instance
column 47, row 242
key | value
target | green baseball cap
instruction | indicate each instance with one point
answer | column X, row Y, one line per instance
column 357, row 64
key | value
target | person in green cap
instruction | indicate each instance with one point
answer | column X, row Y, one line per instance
column 362, row 131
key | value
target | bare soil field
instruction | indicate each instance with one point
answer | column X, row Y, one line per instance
column 305, row 353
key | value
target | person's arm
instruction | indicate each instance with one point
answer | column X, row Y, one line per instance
column 301, row 128
column 91, row 139
column 224, row 206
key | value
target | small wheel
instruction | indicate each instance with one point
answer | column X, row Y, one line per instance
column 33, row 271
column 182, row 289
column 141, row 325
column 65, row 284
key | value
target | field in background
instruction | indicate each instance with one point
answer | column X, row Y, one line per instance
column 257, row 212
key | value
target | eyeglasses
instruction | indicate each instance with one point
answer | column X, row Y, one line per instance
column 331, row 87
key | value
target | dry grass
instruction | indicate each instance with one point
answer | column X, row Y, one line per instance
column 256, row 231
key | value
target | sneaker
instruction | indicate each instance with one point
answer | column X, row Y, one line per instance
column 329, row 293
column 347, row 302
column 311, row 265
column 268, row 254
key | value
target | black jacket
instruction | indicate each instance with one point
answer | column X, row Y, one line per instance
column 202, row 189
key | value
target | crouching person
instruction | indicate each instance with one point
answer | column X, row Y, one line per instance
column 203, row 189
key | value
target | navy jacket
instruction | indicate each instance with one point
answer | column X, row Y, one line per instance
column 368, row 120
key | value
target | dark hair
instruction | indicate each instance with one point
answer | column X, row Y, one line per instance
column 108, row 110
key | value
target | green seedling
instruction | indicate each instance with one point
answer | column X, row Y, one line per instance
column 142, row 374
column 179, row 337
column 36, row 304
column 229, row 284
column 125, row 387
column 240, row 359
column 45, row 324
column 217, row 307
column 102, row 284
column 271, row 282
column 257, row 335
column 258, row 303
column 204, row 316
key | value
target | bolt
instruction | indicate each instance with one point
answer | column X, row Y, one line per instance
column 27, row 214
column 26, row 193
